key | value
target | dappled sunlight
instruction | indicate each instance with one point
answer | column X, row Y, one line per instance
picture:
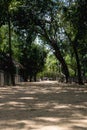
column 17, row 125
column 60, row 106
column 53, row 119
column 54, row 128
column 26, row 98
column 80, row 124
column 43, row 106
column 30, row 125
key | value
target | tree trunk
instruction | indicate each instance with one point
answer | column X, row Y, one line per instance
column 80, row 80
column 58, row 55
column 10, row 53
column 73, row 43
column 35, row 79
column 30, row 78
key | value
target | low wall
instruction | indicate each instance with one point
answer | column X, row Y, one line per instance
column 5, row 79
column 1, row 78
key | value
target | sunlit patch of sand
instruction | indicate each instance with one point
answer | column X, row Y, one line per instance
column 80, row 122
column 43, row 105
column 29, row 125
column 26, row 98
column 54, row 128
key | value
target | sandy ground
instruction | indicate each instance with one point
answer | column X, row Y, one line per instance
column 43, row 106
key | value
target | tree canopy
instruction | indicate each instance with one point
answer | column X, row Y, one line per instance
column 60, row 24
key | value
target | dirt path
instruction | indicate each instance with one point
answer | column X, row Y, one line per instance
column 43, row 106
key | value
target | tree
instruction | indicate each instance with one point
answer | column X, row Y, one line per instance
column 33, row 59
column 42, row 16
column 7, row 8
column 74, row 24
column 51, row 69
column 60, row 24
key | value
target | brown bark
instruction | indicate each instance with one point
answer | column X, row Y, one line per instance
column 80, row 80
column 75, row 49
column 57, row 53
column 10, row 53
column 59, row 56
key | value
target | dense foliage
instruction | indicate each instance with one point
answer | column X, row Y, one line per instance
column 60, row 24
column 32, row 58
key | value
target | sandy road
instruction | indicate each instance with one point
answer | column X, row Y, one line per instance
column 43, row 106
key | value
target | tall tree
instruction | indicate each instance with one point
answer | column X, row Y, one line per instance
column 43, row 17
column 74, row 29
column 7, row 9
column 33, row 59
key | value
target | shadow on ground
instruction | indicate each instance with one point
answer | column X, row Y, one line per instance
column 43, row 106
